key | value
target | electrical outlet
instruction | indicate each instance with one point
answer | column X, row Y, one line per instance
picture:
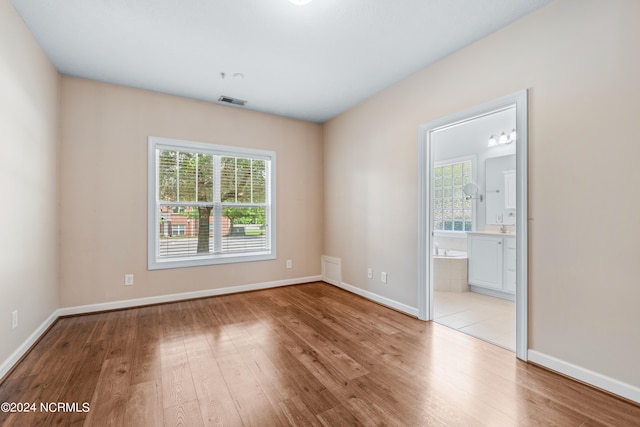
column 369, row 273
column 14, row 319
column 128, row 279
column 289, row 263
column 383, row 277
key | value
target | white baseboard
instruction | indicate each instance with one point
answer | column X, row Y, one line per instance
column 91, row 308
column 411, row 311
column 595, row 379
column 26, row 345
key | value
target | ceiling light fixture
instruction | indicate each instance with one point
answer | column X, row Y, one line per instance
column 300, row 2
column 493, row 141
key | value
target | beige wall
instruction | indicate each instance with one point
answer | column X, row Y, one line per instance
column 581, row 62
column 29, row 87
column 103, row 203
column 579, row 58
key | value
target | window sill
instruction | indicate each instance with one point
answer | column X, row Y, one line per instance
column 162, row 264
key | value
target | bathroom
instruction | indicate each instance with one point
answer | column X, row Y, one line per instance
column 474, row 217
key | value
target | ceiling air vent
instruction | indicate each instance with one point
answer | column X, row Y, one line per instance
column 230, row 100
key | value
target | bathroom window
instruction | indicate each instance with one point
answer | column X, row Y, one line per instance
column 452, row 211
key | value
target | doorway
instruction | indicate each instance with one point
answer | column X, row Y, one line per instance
column 473, row 214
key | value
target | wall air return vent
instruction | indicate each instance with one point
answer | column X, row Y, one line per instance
column 230, row 100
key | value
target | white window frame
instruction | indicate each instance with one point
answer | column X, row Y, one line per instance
column 474, row 205
column 153, row 213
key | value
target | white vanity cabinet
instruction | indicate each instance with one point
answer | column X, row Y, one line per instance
column 509, row 264
column 492, row 263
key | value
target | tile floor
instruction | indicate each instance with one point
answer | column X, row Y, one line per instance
column 488, row 318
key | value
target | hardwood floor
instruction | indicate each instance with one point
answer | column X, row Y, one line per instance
column 306, row 355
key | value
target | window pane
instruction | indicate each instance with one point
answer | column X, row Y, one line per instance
column 448, row 192
column 457, row 203
column 437, row 225
column 448, row 215
column 446, row 170
column 437, row 172
column 243, row 180
column 457, row 180
column 457, row 214
column 186, row 177
column 467, row 168
column 468, row 215
column 448, row 182
column 437, row 182
column 437, row 215
column 448, row 225
column 205, row 178
column 468, row 204
column 438, row 204
column 457, row 192
column 167, row 175
column 438, row 193
column 448, row 204
column 466, row 180
column 181, row 233
column 467, row 226
column 457, row 169
column 457, row 226
column 259, row 181
column 244, row 229
column 228, row 179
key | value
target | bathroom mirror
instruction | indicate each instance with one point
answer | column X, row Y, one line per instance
column 500, row 190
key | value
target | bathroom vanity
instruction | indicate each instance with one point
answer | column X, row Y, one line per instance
column 492, row 263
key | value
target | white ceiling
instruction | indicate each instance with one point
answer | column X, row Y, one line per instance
column 308, row 62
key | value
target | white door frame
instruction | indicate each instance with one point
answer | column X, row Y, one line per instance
column 425, row 226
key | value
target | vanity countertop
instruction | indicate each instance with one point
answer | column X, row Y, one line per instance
column 493, row 233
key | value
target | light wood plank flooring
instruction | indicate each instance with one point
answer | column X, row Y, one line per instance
column 306, row 355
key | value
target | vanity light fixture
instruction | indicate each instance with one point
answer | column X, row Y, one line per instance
column 300, row 2
column 503, row 139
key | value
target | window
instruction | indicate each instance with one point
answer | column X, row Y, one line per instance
column 452, row 211
column 209, row 204
column 178, row 230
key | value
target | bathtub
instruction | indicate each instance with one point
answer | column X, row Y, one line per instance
column 450, row 253
column 450, row 271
